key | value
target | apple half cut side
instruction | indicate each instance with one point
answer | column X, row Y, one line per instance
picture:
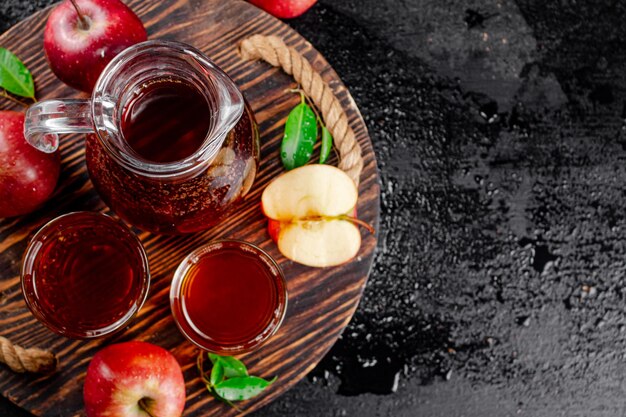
column 309, row 191
column 320, row 243
column 311, row 214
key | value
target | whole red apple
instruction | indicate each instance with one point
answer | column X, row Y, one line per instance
column 79, row 46
column 284, row 9
column 134, row 379
column 27, row 176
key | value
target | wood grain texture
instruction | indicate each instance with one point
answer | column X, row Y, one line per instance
column 321, row 301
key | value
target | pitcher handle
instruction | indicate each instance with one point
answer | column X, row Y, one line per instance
column 46, row 119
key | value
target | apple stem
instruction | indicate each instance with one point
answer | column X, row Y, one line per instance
column 303, row 97
column 359, row 222
column 143, row 404
column 13, row 99
column 83, row 22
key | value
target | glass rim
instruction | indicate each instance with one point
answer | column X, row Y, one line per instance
column 27, row 265
column 266, row 333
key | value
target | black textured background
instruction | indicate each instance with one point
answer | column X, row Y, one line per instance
column 499, row 283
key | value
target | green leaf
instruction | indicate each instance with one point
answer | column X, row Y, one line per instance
column 327, row 145
column 217, row 373
column 214, row 358
column 14, row 76
column 242, row 388
column 233, row 367
column 300, row 136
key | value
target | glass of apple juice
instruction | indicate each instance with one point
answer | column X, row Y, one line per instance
column 228, row 297
column 85, row 275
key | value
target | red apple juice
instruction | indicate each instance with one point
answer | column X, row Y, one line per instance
column 84, row 275
column 166, row 120
column 228, row 297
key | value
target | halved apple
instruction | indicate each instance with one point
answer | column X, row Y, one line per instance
column 311, row 215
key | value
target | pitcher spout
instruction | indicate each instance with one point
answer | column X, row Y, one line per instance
column 228, row 105
column 231, row 103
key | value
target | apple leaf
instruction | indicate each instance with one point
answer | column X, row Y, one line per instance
column 14, row 76
column 300, row 136
column 229, row 379
column 217, row 373
column 233, row 367
column 214, row 358
column 327, row 145
column 242, row 388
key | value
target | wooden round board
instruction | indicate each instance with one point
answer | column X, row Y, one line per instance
column 321, row 301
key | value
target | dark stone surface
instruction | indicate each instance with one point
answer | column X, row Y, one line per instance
column 500, row 131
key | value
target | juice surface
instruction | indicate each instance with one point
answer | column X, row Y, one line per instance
column 86, row 275
column 229, row 296
column 181, row 206
column 166, row 120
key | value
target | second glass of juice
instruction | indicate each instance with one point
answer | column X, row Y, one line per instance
column 228, row 297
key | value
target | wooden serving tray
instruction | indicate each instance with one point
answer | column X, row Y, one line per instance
column 321, row 301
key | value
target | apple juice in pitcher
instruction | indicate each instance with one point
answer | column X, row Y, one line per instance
column 172, row 145
column 165, row 120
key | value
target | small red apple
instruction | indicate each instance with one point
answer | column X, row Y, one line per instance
column 134, row 379
column 27, row 176
column 82, row 36
column 284, row 9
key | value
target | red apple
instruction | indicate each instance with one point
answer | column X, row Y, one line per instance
column 27, row 176
column 134, row 379
column 284, row 9
column 82, row 36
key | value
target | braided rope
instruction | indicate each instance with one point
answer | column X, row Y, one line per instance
column 26, row 360
column 275, row 52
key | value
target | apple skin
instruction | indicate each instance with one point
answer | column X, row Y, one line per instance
column 273, row 228
column 284, row 9
column 77, row 56
column 121, row 375
column 28, row 176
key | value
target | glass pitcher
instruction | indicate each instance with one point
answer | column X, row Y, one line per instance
column 158, row 195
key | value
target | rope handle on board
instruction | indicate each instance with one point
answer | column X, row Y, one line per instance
column 274, row 51
column 26, row 360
